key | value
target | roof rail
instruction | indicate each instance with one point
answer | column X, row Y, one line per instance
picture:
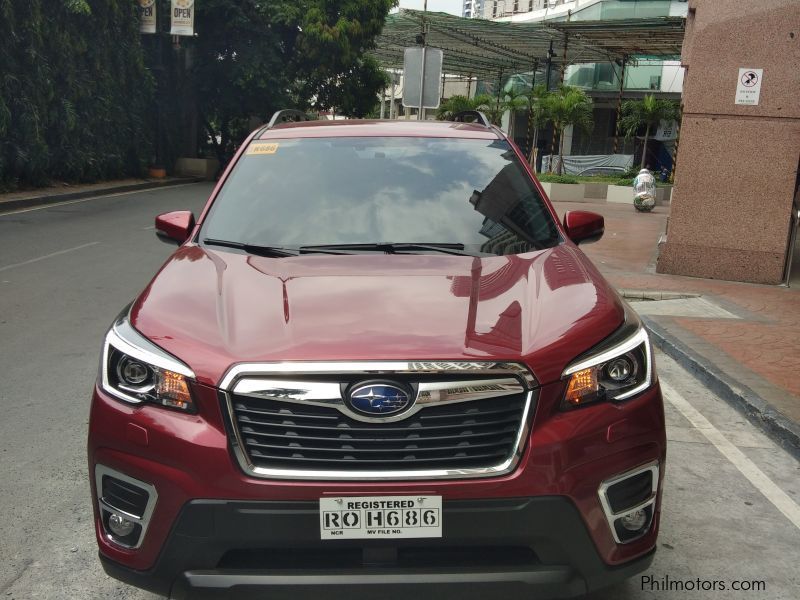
column 477, row 117
column 286, row 115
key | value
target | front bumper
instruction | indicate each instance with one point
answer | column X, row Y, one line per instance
column 548, row 504
column 520, row 547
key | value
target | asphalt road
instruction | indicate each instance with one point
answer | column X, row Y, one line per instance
column 730, row 501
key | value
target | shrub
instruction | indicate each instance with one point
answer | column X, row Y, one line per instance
column 74, row 79
column 552, row 178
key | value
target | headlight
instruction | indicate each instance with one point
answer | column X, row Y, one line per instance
column 612, row 374
column 137, row 371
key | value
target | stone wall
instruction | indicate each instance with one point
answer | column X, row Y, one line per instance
column 737, row 164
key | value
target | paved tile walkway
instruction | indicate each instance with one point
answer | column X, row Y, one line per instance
column 760, row 348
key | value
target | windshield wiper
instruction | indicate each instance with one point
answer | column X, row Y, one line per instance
column 393, row 247
column 274, row 251
column 252, row 248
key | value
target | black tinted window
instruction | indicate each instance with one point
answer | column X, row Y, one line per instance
column 298, row 192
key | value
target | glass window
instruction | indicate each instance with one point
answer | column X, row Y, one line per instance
column 320, row 191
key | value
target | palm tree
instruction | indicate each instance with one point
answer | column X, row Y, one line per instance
column 647, row 113
column 452, row 106
column 538, row 117
column 488, row 105
column 513, row 101
column 567, row 106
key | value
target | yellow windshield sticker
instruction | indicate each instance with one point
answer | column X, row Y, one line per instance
column 262, row 148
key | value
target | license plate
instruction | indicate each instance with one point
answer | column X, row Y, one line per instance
column 380, row 517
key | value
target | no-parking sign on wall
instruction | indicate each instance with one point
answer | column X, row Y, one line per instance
column 748, row 86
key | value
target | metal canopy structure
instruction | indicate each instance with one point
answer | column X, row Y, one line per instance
column 481, row 48
column 660, row 37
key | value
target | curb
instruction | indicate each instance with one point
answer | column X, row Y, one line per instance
column 44, row 200
column 758, row 411
column 656, row 295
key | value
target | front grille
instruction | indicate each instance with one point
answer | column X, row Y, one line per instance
column 465, row 435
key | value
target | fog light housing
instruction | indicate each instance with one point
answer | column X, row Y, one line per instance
column 120, row 526
column 634, row 521
column 126, row 506
column 633, row 525
column 629, row 502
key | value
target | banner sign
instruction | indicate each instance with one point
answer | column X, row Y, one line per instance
column 147, row 15
column 182, row 17
column 667, row 130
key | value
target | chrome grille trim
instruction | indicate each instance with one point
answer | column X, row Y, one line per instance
column 256, row 380
column 479, row 368
column 317, row 393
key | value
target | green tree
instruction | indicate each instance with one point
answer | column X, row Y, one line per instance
column 74, row 91
column 537, row 118
column 331, row 59
column 452, row 106
column 567, row 106
column 489, row 105
column 647, row 113
column 252, row 58
column 514, row 101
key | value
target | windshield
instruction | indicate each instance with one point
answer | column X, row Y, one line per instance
column 426, row 191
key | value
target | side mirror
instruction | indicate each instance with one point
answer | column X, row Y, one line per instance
column 584, row 226
column 175, row 227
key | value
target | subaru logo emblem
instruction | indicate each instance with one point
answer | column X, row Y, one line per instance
column 379, row 399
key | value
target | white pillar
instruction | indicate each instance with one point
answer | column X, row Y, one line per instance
column 392, row 108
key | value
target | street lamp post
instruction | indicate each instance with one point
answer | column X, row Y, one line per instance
column 158, row 169
column 421, row 112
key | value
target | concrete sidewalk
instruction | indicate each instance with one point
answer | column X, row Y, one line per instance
column 740, row 339
column 63, row 192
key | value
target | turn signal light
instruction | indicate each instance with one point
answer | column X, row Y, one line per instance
column 582, row 387
column 173, row 390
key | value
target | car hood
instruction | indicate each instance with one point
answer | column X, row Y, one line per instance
column 213, row 308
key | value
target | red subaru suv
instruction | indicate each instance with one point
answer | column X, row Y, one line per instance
column 377, row 366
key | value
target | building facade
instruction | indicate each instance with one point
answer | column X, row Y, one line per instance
column 601, row 81
column 493, row 9
column 732, row 213
column 472, row 9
